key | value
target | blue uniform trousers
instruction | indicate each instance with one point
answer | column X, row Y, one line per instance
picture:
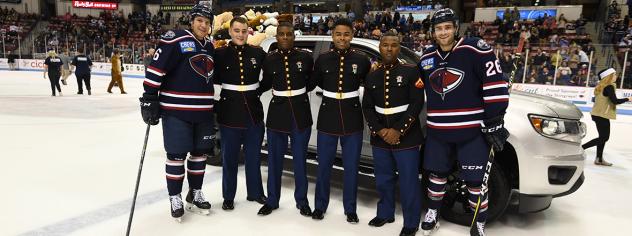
column 351, row 147
column 406, row 163
column 277, row 147
column 231, row 141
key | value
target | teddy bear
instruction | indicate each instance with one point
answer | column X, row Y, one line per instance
column 221, row 21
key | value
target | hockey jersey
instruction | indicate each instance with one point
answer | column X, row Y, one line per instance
column 464, row 87
column 181, row 72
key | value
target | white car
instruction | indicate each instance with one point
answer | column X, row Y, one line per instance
column 541, row 160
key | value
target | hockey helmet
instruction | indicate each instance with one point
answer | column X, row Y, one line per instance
column 444, row 15
column 204, row 9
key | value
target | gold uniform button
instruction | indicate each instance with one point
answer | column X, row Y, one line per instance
column 386, row 83
column 287, row 69
column 386, row 103
column 342, row 58
column 241, row 70
column 242, row 77
column 410, row 119
column 241, row 64
column 242, row 82
column 339, row 82
column 387, row 77
column 241, row 58
column 405, row 125
column 387, row 72
column 285, row 57
column 286, row 64
column 342, row 64
column 288, row 82
column 341, row 76
column 387, row 90
column 401, row 131
column 287, row 75
column 340, row 88
column 289, row 88
column 239, row 52
column 386, row 97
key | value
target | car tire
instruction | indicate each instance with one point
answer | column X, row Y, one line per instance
column 452, row 208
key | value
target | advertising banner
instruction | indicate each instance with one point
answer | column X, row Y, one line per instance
column 95, row 5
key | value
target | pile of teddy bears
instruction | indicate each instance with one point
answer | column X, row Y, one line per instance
column 260, row 26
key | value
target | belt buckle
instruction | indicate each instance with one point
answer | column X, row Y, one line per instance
column 339, row 95
column 241, row 88
column 387, row 111
column 289, row 93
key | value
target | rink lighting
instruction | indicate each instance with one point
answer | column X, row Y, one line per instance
column 558, row 128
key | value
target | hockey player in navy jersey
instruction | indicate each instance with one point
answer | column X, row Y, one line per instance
column 179, row 89
column 467, row 96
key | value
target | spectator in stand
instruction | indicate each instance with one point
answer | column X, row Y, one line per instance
column 543, row 76
column 497, row 21
column 564, row 74
column 580, row 25
column 540, row 58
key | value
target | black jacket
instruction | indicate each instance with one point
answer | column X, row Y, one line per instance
column 391, row 87
column 340, row 71
column 285, row 71
column 238, row 65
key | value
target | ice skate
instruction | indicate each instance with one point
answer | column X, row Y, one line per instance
column 196, row 202
column 478, row 229
column 176, row 207
column 430, row 223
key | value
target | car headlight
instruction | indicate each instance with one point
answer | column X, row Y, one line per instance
column 558, row 128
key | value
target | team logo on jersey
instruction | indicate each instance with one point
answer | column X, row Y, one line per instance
column 354, row 67
column 187, row 46
column 445, row 80
column 169, row 35
column 427, row 64
column 203, row 65
column 482, row 45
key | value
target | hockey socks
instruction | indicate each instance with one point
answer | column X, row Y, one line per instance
column 478, row 201
column 174, row 168
column 196, row 164
column 436, row 189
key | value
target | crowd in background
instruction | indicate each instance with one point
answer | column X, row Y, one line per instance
column 560, row 48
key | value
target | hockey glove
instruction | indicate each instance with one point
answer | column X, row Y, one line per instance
column 495, row 133
column 150, row 109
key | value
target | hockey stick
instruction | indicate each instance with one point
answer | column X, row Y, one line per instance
column 140, row 170
column 488, row 171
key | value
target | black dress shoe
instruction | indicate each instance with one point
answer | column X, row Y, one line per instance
column 260, row 200
column 305, row 210
column 378, row 222
column 318, row 215
column 228, row 205
column 265, row 210
column 352, row 218
column 408, row 231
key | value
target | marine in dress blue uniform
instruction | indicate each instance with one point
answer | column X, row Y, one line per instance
column 339, row 72
column 289, row 116
column 393, row 98
column 240, row 113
